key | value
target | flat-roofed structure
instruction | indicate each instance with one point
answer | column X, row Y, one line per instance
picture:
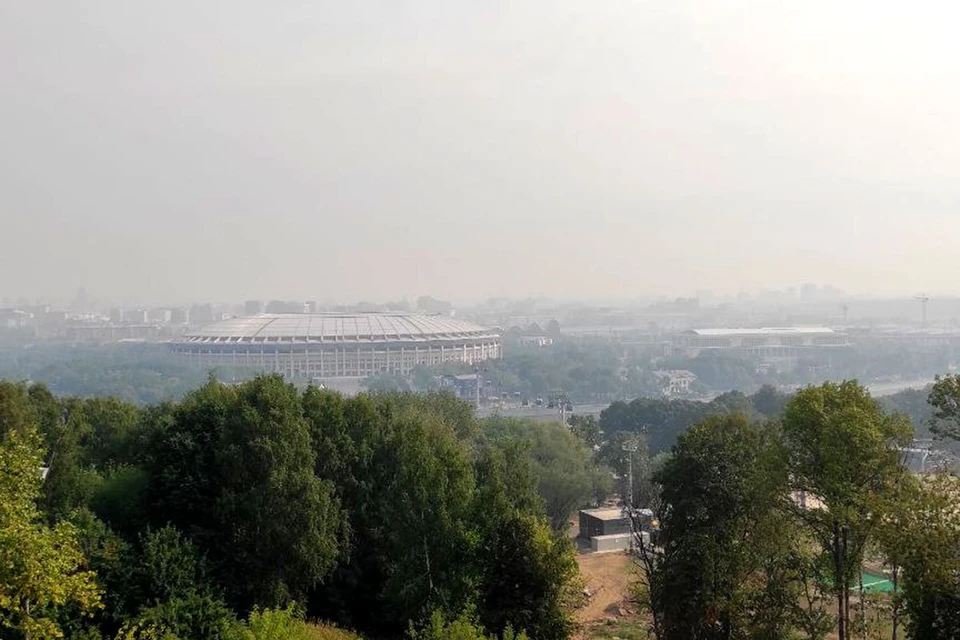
column 322, row 345
column 766, row 342
column 603, row 522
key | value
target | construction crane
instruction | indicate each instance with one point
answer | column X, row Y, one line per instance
column 924, row 299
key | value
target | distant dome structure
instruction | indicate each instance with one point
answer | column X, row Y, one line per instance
column 336, row 345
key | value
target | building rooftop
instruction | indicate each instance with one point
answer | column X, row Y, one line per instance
column 336, row 327
column 462, row 377
column 763, row 331
column 613, row 513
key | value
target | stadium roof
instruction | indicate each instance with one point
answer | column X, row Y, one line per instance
column 765, row 331
column 336, row 327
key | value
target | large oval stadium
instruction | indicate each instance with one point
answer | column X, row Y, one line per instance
column 327, row 345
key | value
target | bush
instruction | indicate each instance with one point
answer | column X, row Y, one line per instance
column 463, row 628
column 278, row 624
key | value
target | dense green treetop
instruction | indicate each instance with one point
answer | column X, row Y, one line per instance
column 234, row 469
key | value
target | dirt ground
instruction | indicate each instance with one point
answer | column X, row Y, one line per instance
column 607, row 578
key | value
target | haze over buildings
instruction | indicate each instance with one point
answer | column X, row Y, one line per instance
column 377, row 150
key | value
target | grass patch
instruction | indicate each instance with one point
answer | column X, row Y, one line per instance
column 623, row 629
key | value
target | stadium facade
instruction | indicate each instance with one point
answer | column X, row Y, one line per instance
column 329, row 345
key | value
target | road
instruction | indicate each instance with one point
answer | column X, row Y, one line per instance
column 878, row 389
column 539, row 413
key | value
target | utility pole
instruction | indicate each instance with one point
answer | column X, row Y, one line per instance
column 631, row 447
column 476, row 369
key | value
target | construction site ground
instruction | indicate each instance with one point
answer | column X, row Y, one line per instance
column 607, row 610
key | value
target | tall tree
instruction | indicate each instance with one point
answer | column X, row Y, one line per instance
column 526, row 571
column 430, row 492
column 945, row 399
column 234, row 469
column 16, row 411
column 920, row 536
column 720, row 490
column 563, row 464
column 844, row 455
column 406, row 480
column 769, row 402
column 586, row 428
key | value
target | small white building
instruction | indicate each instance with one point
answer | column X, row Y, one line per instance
column 675, row 382
column 535, row 341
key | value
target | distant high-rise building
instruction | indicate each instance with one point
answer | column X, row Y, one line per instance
column 201, row 313
column 178, row 316
column 706, row 296
column 284, row 306
column 252, row 307
column 429, row 304
column 159, row 314
column 116, row 315
column 808, row 292
column 81, row 301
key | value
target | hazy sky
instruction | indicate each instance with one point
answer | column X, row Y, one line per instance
column 232, row 149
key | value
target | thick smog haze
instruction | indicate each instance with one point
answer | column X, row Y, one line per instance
column 374, row 150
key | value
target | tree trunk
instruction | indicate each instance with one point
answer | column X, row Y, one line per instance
column 839, row 579
column 895, row 615
column 863, row 608
column 426, row 557
column 844, row 531
column 26, row 607
column 648, row 566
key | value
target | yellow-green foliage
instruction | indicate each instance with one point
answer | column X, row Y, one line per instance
column 326, row 632
column 140, row 631
column 277, row 624
column 263, row 624
column 288, row 624
column 40, row 566
column 463, row 628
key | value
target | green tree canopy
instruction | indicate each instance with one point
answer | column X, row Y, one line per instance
column 562, row 463
column 234, row 469
column 844, row 453
column 945, row 400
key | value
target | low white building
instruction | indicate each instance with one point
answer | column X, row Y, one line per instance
column 535, row 341
column 675, row 382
